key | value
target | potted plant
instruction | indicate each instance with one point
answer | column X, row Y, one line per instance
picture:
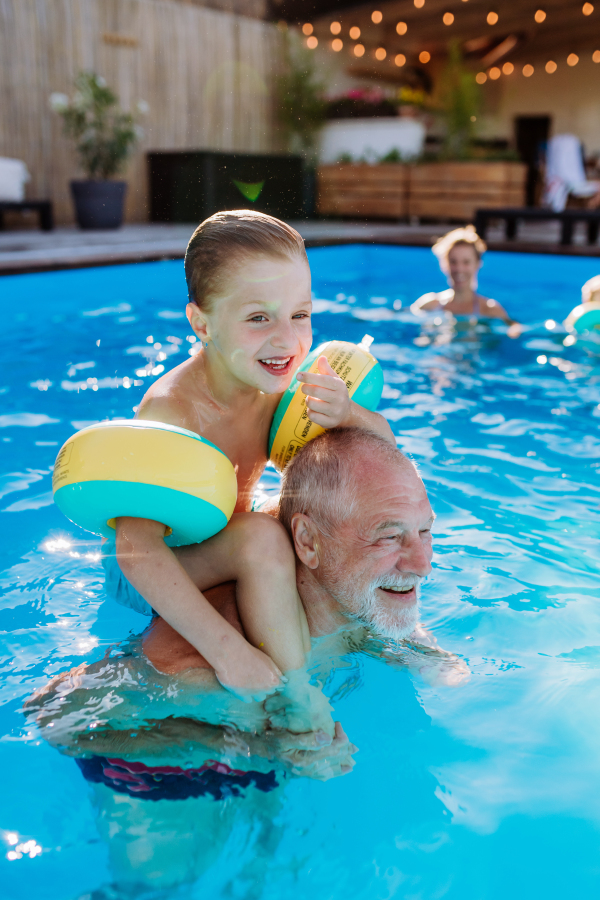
column 105, row 136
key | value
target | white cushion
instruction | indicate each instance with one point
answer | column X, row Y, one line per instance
column 13, row 176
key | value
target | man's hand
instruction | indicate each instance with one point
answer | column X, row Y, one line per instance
column 327, row 401
column 313, row 755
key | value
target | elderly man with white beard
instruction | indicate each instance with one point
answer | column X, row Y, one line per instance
column 150, row 721
column 360, row 520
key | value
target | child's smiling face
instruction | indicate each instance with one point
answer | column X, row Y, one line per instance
column 258, row 323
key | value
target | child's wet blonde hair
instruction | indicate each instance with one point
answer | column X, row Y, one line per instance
column 591, row 290
column 229, row 236
column 466, row 236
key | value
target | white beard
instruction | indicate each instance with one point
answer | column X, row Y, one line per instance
column 365, row 605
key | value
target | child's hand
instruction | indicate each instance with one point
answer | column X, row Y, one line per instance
column 250, row 674
column 514, row 330
column 300, row 707
column 328, row 402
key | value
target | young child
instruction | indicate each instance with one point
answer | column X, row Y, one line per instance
column 250, row 306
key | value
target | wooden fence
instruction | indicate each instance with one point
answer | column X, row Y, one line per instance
column 207, row 75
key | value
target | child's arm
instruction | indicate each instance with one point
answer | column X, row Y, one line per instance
column 155, row 571
column 255, row 551
column 329, row 405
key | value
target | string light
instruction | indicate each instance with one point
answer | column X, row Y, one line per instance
column 494, row 73
column 307, row 28
column 354, row 32
column 492, row 18
column 359, row 50
column 419, row 3
column 448, row 18
column 312, row 42
column 337, row 45
column 587, row 9
column 401, row 27
column 528, row 71
column 481, row 78
column 551, row 67
column 508, row 68
column 596, row 56
column 424, row 56
column 376, row 16
column 380, row 53
column 400, row 60
column 572, row 59
column 539, row 16
column 335, row 27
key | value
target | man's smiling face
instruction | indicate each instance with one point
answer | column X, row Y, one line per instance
column 372, row 565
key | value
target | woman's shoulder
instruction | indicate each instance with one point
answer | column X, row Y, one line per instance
column 489, row 308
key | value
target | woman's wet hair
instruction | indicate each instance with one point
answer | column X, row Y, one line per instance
column 228, row 237
column 321, row 480
column 467, row 237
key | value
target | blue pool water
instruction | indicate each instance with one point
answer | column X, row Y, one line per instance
column 482, row 791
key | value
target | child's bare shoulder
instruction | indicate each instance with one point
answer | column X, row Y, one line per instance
column 177, row 398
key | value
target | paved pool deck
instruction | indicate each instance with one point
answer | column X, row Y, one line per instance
column 32, row 250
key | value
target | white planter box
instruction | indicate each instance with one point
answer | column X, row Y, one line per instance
column 371, row 139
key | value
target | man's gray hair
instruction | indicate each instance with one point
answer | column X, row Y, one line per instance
column 321, row 479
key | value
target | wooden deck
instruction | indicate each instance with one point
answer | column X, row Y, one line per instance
column 63, row 248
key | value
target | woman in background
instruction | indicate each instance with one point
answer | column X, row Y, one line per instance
column 460, row 255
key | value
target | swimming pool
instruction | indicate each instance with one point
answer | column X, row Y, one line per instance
column 482, row 791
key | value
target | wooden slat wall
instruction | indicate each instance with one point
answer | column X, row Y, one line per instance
column 207, row 75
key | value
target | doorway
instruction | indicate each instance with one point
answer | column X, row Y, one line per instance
column 531, row 138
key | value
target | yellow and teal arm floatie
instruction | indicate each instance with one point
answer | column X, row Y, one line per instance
column 291, row 428
column 585, row 317
column 146, row 470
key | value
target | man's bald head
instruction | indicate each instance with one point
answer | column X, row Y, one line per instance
column 325, row 479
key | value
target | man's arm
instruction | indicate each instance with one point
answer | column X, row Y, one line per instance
column 420, row 653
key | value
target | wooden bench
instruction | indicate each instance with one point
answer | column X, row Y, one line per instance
column 567, row 219
column 42, row 207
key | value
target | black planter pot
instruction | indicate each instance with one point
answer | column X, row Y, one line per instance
column 99, row 204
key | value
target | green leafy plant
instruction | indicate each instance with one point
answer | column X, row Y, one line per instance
column 460, row 101
column 300, row 100
column 104, row 134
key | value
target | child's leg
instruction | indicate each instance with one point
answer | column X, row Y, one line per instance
column 255, row 551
